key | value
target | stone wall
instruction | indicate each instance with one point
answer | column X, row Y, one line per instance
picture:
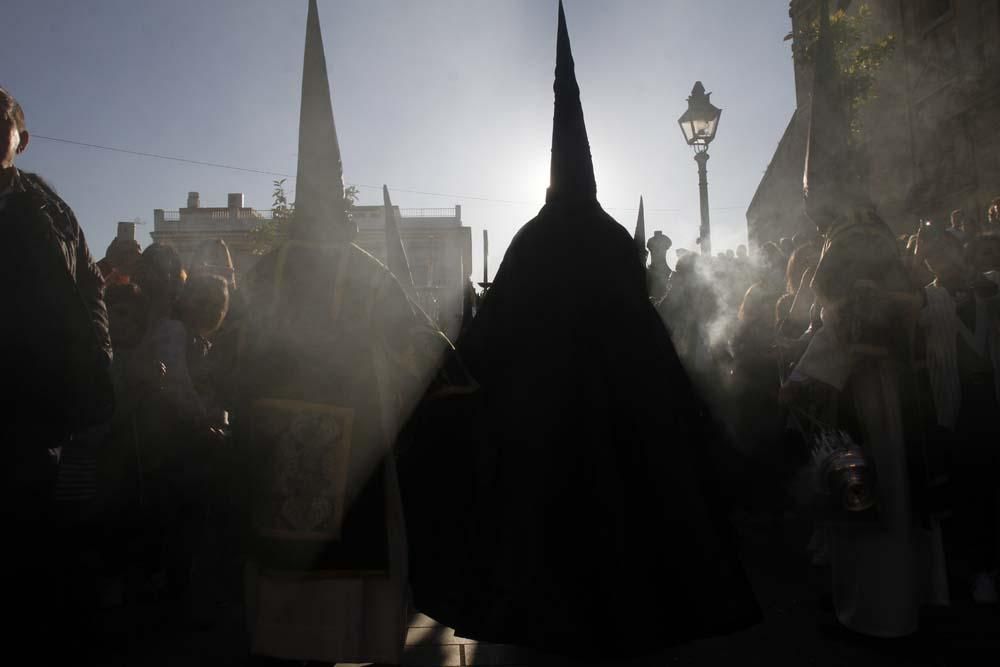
column 932, row 131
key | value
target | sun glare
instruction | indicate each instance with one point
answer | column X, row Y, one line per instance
column 531, row 177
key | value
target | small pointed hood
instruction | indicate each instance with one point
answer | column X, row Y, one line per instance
column 320, row 206
column 829, row 179
column 572, row 168
column 395, row 255
column 640, row 233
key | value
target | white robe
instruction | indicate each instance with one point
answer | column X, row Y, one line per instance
column 349, row 619
column 882, row 571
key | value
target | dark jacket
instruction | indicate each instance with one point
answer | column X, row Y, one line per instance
column 55, row 330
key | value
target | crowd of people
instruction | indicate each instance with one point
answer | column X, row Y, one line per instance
column 519, row 485
column 785, row 369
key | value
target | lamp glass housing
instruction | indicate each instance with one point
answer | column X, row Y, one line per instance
column 701, row 120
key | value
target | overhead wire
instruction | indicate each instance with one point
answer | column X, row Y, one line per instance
column 265, row 172
column 159, row 157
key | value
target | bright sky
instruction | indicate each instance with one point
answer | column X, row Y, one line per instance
column 443, row 96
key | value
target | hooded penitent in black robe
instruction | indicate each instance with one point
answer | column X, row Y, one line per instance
column 598, row 515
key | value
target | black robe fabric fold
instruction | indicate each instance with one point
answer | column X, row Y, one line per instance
column 438, row 455
column 598, row 511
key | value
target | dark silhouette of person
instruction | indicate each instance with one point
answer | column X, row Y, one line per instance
column 598, row 517
column 120, row 260
column 58, row 357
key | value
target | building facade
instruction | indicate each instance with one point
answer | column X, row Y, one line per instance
column 932, row 130
column 439, row 251
column 438, row 246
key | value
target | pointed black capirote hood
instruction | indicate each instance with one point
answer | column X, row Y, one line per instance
column 572, row 168
column 395, row 254
column 829, row 181
column 320, row 207
column 640, row 230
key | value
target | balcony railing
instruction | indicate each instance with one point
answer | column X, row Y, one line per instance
column 219, row 214
column 267, row 214
column 427, row 212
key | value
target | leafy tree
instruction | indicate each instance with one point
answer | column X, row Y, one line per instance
column 270, row 231
column 858, row 56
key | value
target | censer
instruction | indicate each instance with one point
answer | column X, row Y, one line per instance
column 844, row 474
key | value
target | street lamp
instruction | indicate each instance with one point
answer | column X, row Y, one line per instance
column 699, row 124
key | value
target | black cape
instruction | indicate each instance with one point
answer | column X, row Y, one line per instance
column 598, row 514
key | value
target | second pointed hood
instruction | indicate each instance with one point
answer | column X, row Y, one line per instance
column 320, row 205
column 395, row 254
column 571, row 173
column 640, row 233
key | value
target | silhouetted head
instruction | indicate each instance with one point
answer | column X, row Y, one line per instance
column 123, row 255
column 687, row 262
column 804, row 258
column 956, row 219
column 160, row 273
column 757, row 307
column 203, row 304
column 14, row 135
column 212, row 258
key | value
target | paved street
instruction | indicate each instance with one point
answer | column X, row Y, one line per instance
column 796, row 631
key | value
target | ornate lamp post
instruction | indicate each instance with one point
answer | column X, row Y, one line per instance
column 699, row 124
